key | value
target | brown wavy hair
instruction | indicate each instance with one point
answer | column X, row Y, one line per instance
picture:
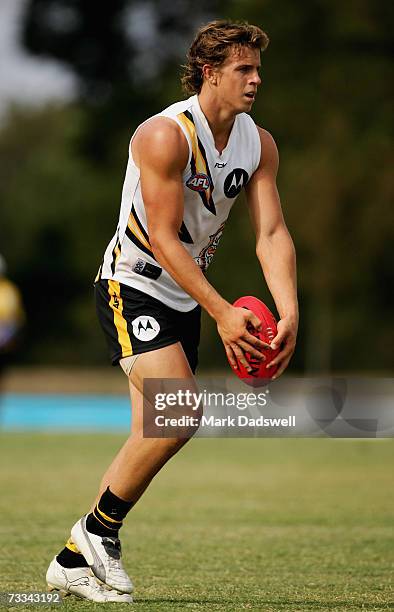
column 212, row 45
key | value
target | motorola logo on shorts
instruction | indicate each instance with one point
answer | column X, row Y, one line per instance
column 145, row 328
column 234, row 182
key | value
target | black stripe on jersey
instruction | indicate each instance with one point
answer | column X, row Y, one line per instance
column 206, row 203
column 138, row 243
column 189, row 116
column 114, row 255
column 184, row 234
column 192, row 160
column 140, row 226
column 204, row 156
column 210, row 204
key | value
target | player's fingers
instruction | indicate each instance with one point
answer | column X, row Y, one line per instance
column 256, row 342
column 285, row 352
column 240, row 356
column 248, row 348
column 279, row 338
column 281, row 368
column 231, row 357
column 255, row 321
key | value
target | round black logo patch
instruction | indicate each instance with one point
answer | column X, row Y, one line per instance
column 235, row 181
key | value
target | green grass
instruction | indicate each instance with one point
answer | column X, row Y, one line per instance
column 228, row 525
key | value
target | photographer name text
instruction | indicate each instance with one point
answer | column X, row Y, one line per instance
column 240, row 420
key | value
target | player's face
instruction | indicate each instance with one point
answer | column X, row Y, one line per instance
column 239, row 78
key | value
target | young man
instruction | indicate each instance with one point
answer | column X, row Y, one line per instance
column 186, row 167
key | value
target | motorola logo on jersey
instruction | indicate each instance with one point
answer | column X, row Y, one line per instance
column 235, row 181
column 198, row 182
column 145, row 328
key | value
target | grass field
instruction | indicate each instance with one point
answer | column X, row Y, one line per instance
column 229, row 524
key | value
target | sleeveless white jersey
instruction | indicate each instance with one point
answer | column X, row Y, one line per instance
column 211, row 182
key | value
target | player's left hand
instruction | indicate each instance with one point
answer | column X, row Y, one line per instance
column 286, row 339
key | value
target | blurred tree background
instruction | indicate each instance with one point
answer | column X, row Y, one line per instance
column 327, row 99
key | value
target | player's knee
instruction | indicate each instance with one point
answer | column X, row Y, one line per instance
column 173, row 445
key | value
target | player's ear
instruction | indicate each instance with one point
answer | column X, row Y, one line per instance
column 210, row 74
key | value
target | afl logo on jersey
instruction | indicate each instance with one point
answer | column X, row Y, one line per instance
column 198, row 182
column 145, row 328
column 235, row 181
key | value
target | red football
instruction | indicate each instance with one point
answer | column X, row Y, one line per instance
column 267, row 333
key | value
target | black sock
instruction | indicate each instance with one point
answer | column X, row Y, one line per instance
column 106, row 519
column 71, row 557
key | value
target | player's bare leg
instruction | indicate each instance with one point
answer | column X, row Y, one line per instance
column 138, row 461
column 141, row 458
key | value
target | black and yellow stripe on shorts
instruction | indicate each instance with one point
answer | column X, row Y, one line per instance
column 198, row 160
column 116, row 305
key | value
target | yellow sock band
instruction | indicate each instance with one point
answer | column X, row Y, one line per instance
column 107, row 518
column 103, row 524
column 71, row 546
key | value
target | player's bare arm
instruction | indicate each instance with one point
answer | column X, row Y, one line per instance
column 274, row 248
column 160, row 150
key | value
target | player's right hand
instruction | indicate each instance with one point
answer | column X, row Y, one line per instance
column 232, row 327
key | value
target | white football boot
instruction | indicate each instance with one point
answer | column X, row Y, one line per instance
column 81, row 582
column 103, row 555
